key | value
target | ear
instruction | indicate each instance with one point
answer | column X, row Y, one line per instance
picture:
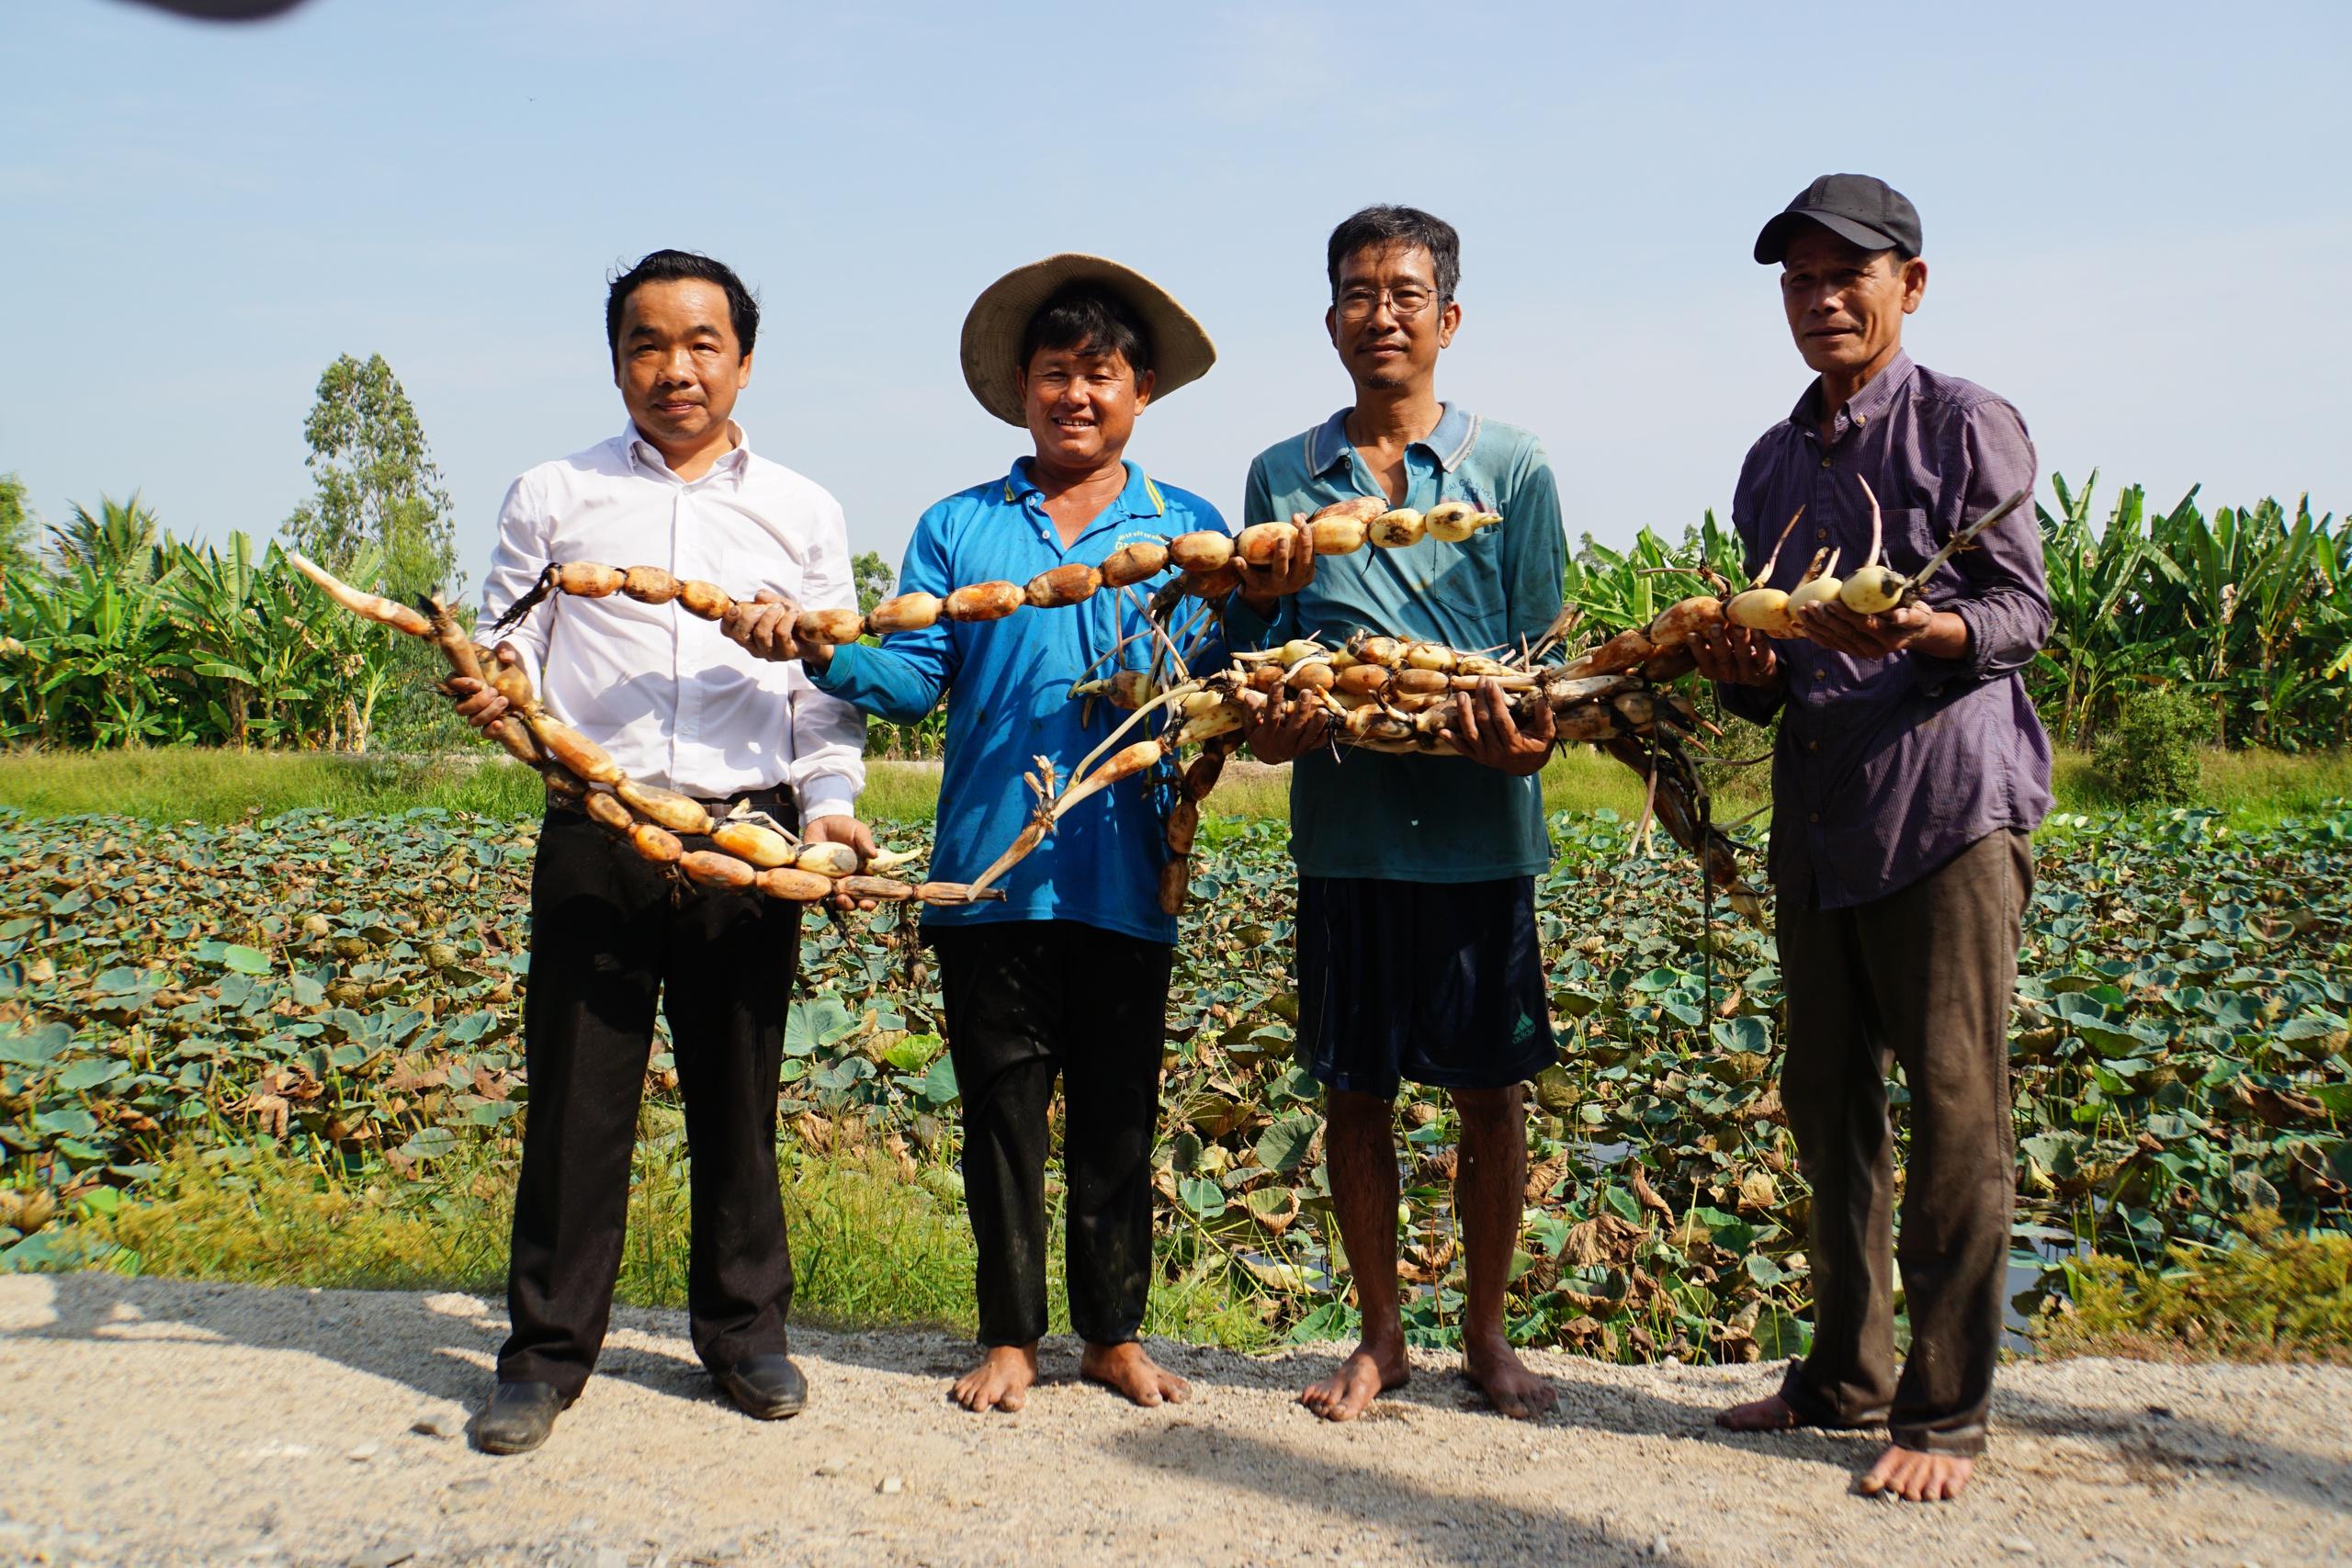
column 1448, row 322
column 1020, row 383
column 742, row 372
column 1915, row 283
column 1144, row 385
column 1331, row 324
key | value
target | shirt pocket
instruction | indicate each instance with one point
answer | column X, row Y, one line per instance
column 748, row 573
column 1910, row 540
column 1466, row 586
column 745, row 574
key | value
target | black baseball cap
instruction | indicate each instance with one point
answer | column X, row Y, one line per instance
column 1856, row 208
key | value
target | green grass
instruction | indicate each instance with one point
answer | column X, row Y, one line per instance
column 870, row 1246
column 176, row 783
column 215, row 786
column 2258, row 788
column 2279, row 1296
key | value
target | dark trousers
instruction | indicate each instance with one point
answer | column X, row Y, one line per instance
column 1028, row 1000
column 610, row 937
column 1924, row 977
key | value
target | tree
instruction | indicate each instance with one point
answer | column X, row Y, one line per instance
column 19, row 529
column 873, row 578
column 120, row 540
column 377, row 487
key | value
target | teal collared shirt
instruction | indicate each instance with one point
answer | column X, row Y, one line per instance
column 1010, row 681
column 1417, row 818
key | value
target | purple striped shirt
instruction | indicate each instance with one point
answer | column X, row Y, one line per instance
column 1885, row 769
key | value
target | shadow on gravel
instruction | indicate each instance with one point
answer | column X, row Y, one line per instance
column 391, row 1335
column 2159, row 1448
column 1444, row 1525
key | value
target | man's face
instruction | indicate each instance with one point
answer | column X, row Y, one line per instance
column 1081, row 407
column 1386, row 319
column 680, row 367
column 1846, row 305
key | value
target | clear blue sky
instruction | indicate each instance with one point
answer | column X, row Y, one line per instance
column 2138, row 216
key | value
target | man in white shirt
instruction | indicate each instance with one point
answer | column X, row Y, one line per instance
column 678, row 704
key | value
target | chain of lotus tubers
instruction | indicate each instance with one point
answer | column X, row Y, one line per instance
column 1396, row 695
column 1207, row 560
column 1874, row 590
column 745, row 855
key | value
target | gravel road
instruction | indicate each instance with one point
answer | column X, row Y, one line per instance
column 154, row 1421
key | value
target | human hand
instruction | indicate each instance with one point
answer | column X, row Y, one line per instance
column 1279, row 726
column 1482, row 729
column 763, row 628
column 478, row 703
column 1288, row 570
column 1736, row 656
column 842, row 828
column 1940, row 634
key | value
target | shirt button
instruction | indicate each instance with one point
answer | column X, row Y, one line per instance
column 1813, row 745
column 1824, row 462
column 1821, row 533
column 1860, row 420
column 1815, row 817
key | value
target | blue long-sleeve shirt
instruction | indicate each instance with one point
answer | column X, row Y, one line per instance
column 1010, row 682
column 1885, row 769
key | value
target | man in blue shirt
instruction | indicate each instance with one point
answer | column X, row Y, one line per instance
column 1068, row 976
column 1417, row 945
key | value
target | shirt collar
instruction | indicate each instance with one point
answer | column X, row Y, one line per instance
column 1141, row 498
column 1450, row 443
column 646, row 456
column 1877, row 396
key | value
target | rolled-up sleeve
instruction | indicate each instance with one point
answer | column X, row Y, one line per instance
column 1244, row 628
column 2002, row 595
column 904, row 678
column 827, row 733
column 515, row 563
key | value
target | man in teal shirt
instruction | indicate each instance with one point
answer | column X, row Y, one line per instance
column 1068, row 976
column 1417, row 948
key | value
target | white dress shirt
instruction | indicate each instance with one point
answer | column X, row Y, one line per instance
column 674, row 701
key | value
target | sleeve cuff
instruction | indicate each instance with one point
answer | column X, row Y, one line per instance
column 1244, row 628
column 1933, row 674
column 827, row 795
column 833, row 675
column 1758, row 704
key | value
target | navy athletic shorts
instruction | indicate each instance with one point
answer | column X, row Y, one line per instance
column 1442, row 983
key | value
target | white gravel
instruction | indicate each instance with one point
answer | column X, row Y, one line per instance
column 154, row 1421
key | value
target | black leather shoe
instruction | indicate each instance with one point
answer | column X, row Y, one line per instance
column 766, row 1385
column 518, row 1417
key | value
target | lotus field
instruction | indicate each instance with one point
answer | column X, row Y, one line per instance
column 351, row 990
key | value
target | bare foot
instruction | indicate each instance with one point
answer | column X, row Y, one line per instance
column 1771, row 1414
column 1127, row 1368
column 1363, row 1377
column 1916, row 1477
column 1509, row 1387
column 1002, row 1380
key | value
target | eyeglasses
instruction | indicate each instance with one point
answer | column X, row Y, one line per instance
column 1404, row 304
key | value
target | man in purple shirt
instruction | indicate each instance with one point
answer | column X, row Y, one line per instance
column 1909, row 771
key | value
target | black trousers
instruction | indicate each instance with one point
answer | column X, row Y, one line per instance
column 1028, row 1000
column 610, row 937
column 1923, row 976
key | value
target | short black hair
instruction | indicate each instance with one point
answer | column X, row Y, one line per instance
column 671, row 266
column 1088, row 319
column 1377, row 227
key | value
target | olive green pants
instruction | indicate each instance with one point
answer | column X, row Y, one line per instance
column 1923, row 977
